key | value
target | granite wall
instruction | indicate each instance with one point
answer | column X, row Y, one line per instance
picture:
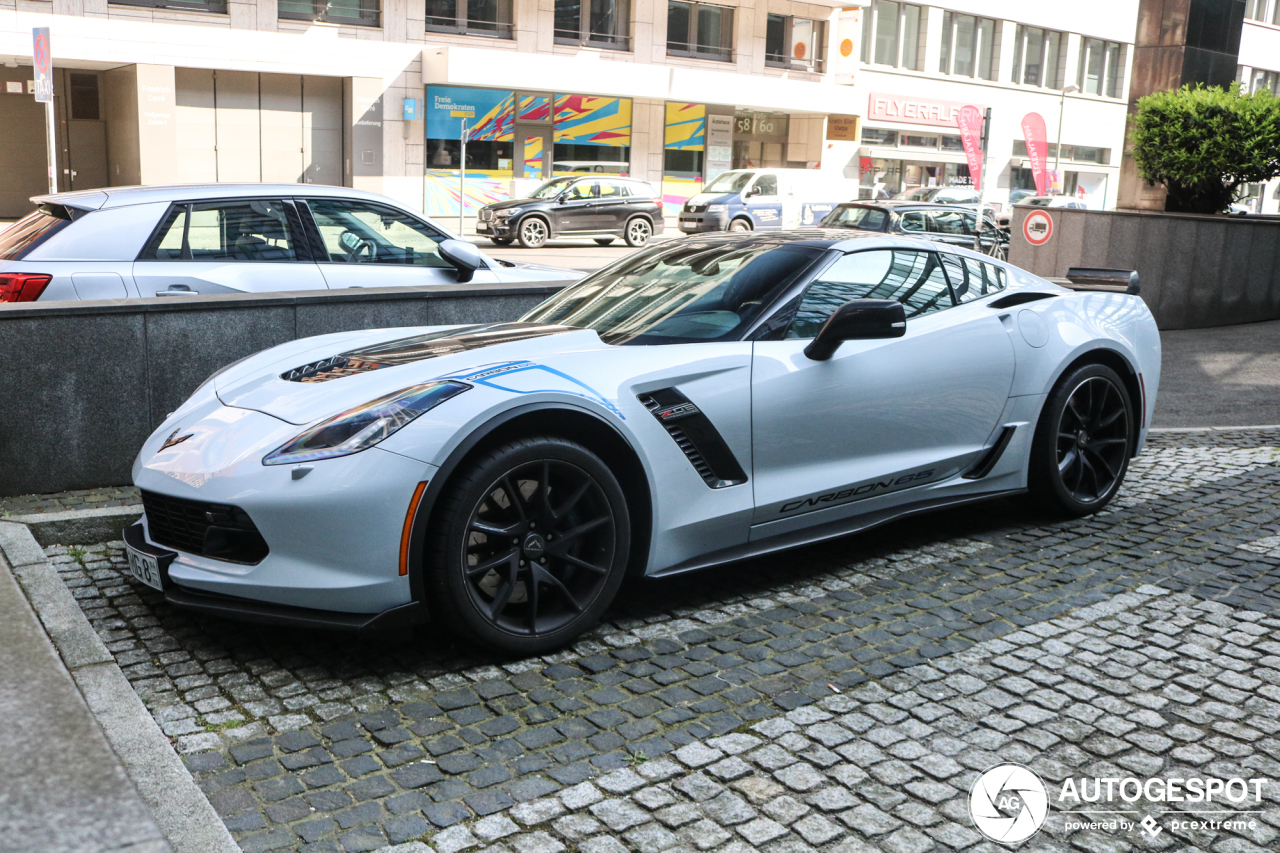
column 84, row 383
column 1196, row 271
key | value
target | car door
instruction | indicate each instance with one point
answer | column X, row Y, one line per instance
column 764, row 204
column 575, row 212
column 370, row 244
column 240, row 245
column 880, row 416
column 950, row 226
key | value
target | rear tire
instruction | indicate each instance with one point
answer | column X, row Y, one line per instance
column 1083, row 442
column 604, row 241
column 638, row 232
column 528, row 546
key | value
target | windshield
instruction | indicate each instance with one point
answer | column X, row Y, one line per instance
column 552, row 188
column 729, row 182
column 680, row 293
column 27, row 232
column 862, row 218
column 1038, row 201
column 922, row 193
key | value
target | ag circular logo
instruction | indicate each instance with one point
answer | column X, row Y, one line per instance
column 1008, row 803
column 846, row 47
column 1037, row 227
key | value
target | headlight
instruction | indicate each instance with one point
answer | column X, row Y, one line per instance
column 364, row 426
column 507, row 214
column 717, row 208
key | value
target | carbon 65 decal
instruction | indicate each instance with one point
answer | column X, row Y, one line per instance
column 857, row 491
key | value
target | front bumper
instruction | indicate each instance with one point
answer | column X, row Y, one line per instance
column 333, row 533
column 495, row 228
column 693, row 223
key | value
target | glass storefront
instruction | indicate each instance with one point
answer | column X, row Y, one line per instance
column 516, row 135
column 683, row 154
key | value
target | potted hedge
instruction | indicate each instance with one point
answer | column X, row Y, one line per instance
column 1203, row 144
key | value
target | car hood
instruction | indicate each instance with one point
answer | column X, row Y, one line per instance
column 312, row 379
column 714, row 198
column 515, row 202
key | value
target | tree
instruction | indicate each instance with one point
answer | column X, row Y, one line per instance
column 1204, row 143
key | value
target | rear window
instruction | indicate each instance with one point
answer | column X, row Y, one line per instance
column 863, row 218
column 29, row 232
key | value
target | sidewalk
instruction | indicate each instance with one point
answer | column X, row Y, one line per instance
column 86, row 769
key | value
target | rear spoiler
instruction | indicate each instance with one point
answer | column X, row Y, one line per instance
column 1112, row 281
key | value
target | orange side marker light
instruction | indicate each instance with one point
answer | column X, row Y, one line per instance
column 408, row 527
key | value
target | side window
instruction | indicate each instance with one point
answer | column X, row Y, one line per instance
column 610, row 191
column 767, row 185
column 362, row 233
column 580, row 191
column 949, row 222
column 243, row 230
column 913, row 222
column 972, row 279
column 913, row 278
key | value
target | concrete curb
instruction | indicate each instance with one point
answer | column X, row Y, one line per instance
column 1174, row 430
column 79, row 526
column 179, row 807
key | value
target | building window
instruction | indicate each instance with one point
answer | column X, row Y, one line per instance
column 1255, row 10
column 84, row 96
column 876, row 136
column 968, row 46
column 364, row 13
column 219, row 6
column 1101, row 69
column 891, row 35
column 699, row 30
column 1076, row 153
column 1260, row 80
column 598, row 23
column 1037, row 57
column 490, row 18
column 795, row 43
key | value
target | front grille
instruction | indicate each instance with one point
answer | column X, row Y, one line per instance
column 695, row 208
column 219, row 531
column 486, row 215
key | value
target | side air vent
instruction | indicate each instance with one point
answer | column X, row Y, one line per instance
column 696, row 437
column 1019, row 299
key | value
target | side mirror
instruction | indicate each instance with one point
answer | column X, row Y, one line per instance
column 754, row 191
column 464, row 256
column 859, row 320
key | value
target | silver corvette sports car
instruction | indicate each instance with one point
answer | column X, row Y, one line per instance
column 697, row 402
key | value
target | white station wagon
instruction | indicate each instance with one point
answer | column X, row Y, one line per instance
column 134, row 242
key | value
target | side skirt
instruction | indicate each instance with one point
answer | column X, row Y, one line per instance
column 831, row 530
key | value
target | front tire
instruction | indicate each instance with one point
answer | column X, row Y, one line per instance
column 533, row 233
column 528, row 547
column 501, row 241
column 1083, row 442
column 639, row 231
column 604, row 241
column 740, row 225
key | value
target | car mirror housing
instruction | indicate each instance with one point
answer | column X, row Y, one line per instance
column 859, row 320
column 465, row 257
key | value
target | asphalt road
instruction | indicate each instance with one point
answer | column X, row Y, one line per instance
column 1228, row 376
column 575, row 254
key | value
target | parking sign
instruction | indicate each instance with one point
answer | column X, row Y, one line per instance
column 43, row 61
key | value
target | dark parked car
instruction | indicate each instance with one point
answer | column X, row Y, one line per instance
column 942, row 195
column 599, row 206
column 945, row 223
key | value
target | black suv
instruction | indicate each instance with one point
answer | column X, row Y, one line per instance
column 945, row 223
column 598, row 206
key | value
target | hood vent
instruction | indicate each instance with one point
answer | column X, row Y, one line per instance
column 418, row 348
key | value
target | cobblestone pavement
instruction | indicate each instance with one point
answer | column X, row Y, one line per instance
column 841, row 697
column 63, row 501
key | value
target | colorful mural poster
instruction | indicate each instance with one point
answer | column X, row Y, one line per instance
column 584, row 120
column 686, row 126
column 535, row 108
column 483, row 187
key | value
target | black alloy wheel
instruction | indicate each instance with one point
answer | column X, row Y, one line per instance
column 531, row 547
column 1083, row 441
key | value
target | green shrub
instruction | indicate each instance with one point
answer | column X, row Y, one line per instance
column 1204, row 143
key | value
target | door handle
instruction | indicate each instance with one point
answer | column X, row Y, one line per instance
column 178, row 290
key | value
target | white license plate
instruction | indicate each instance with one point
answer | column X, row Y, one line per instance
column 144, row 567
column 482, row 226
